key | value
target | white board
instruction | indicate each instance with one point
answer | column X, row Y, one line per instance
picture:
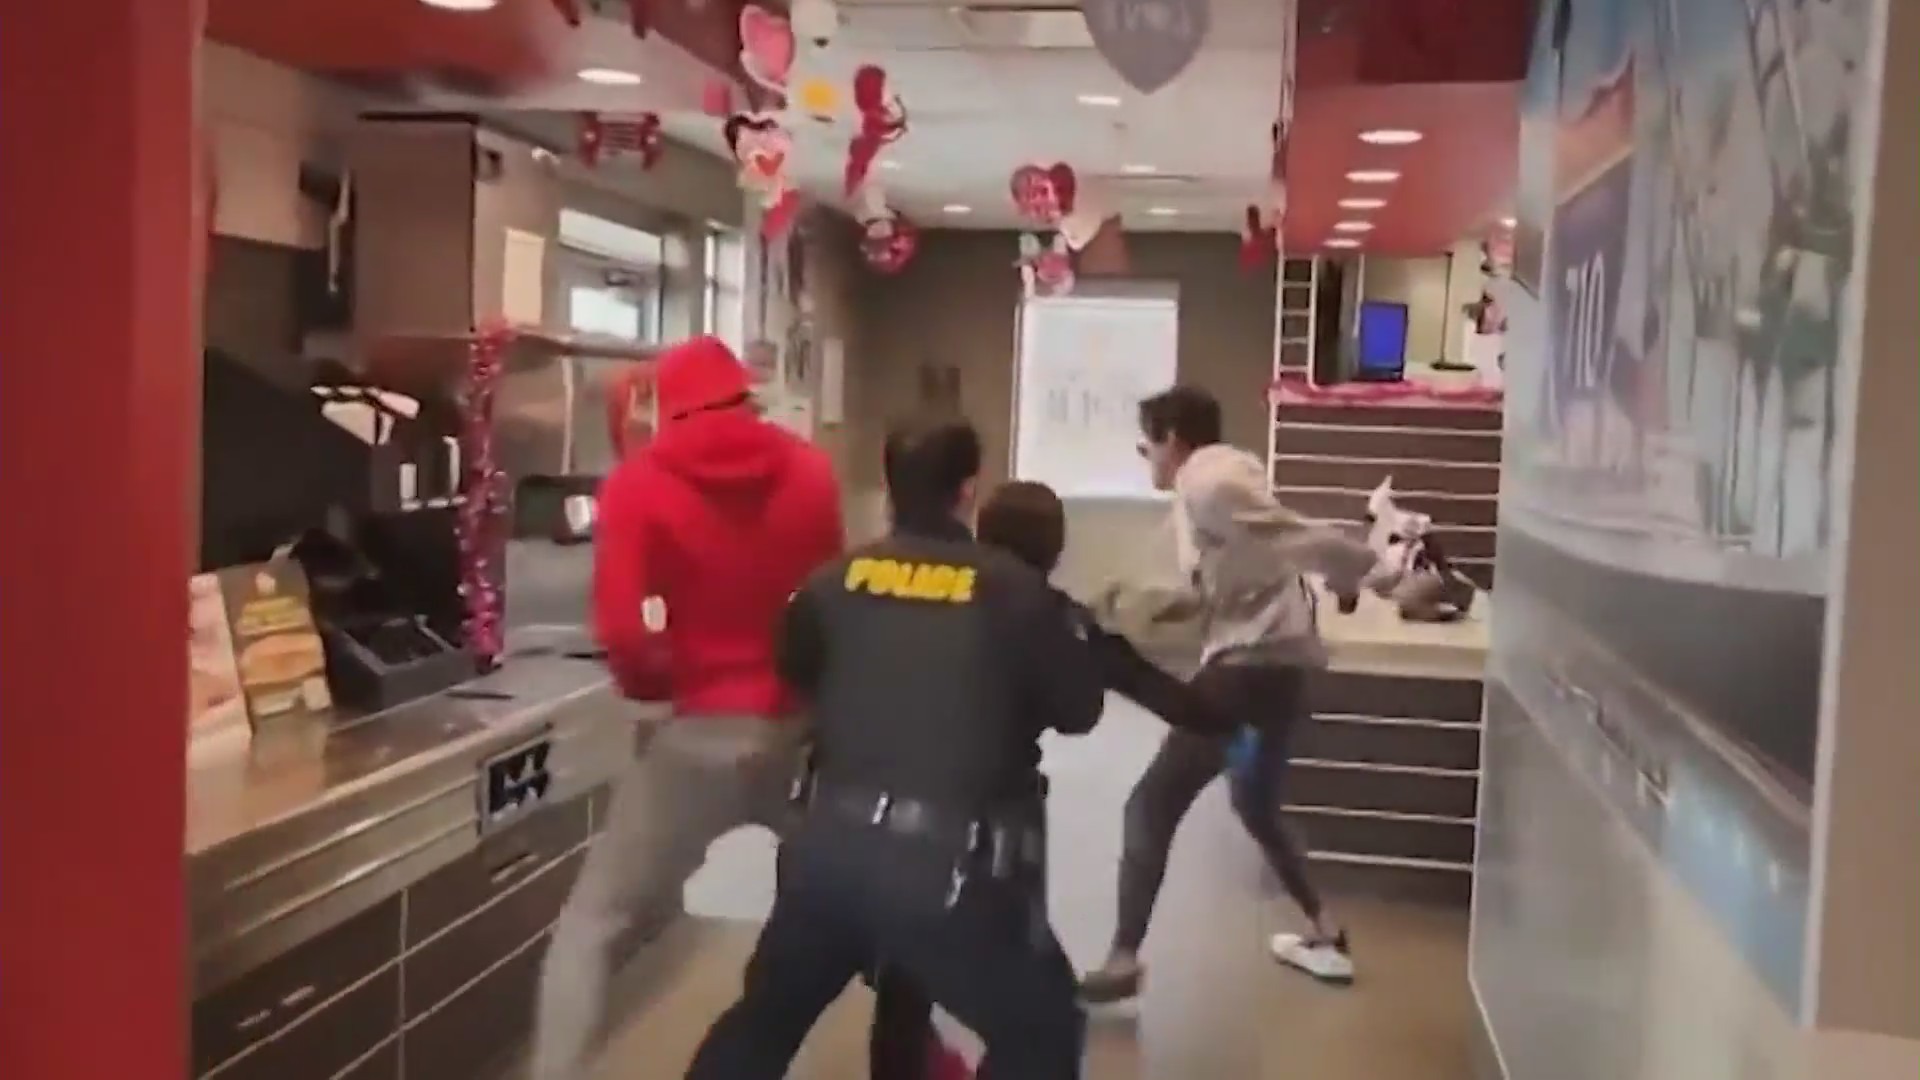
column 1085, row 363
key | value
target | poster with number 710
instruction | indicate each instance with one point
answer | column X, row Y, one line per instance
column 1584, row 264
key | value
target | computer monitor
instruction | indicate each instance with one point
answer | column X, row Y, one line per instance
column 1383, row 341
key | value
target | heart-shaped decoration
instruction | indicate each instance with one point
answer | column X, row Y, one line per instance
column 1030, row 189
column 766, row 163
column 766, row 47
column 1148, row 42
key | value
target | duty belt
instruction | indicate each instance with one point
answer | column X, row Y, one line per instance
column 1001, row 846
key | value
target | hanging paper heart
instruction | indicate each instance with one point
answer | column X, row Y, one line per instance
column 883, row 120
column 766, row 48
column 889, row 243
column 1148, row 42
column 1031, row 190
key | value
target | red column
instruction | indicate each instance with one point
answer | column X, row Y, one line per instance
column 99, row 420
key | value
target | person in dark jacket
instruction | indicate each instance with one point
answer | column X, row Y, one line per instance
column 933, row 664
column 1029, row 520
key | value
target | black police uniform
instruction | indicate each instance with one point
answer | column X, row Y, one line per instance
column 903, row 1031
column 932, row 664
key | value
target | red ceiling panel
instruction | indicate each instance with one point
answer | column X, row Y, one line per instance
column 1462, row 172
column 510, row 45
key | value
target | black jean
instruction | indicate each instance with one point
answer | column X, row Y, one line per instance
column 1272, row 701
column 849, row 894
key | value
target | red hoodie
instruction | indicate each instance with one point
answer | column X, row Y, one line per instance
column 722, row 516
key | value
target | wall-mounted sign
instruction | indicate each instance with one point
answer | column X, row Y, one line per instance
column 1149, row 42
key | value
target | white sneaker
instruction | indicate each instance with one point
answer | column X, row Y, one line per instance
column 1328, row 961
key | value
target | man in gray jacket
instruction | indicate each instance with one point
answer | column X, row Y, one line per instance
column 1245, row 558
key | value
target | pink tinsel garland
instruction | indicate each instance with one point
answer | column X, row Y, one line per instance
column 484, row 489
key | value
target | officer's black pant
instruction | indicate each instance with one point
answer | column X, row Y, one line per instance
column 850, row 894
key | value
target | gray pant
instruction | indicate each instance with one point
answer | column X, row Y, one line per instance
column 1271, row 701
column 695, row 779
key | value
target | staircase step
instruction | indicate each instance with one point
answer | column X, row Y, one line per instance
column 1303, row 470
column 1395, row 441
column 1370, row 832
column 1384, row 741
column 1417, row 881
column 1391, row 415
column 1363, row 693
column 1350, row 504
column 1400, row 789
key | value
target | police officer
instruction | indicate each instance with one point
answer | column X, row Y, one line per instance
column 933, row 664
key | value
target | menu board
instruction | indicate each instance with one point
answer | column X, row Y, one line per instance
column 277, row 650
column 214, row 703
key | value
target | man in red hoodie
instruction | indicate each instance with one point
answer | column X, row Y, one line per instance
column 704, row 534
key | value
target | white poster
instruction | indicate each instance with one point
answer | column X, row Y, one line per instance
column 1085, row 364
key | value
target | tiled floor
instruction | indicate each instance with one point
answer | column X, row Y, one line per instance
column 1216, row 1007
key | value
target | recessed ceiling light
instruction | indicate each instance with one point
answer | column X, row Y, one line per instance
column 889, row 164
column 1139, row 170
column 610, row 77
column 1163, row 211
column 1362, row 204
column 1373, row 176
column 1391, row 137
column 1341, row 242
column 1353, row 226
column 462, row 5
column 1508, row 223
column 956, row 208
column 1099, row 101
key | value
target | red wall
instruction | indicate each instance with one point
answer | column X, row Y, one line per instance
column 99, row 417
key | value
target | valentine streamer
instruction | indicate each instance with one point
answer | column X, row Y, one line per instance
column 766, row 48
column 888, row 242
column 1259, row 241
column 883, row 120
column 1045, row 194
column 1046, row 269
column 569, row 10
column 640, row 17
column 638, row 134
column 481, row 527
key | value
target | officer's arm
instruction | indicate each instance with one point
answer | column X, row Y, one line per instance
column 800, row 648
column 1062, row 676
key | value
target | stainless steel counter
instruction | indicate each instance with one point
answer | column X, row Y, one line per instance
column 310, row 827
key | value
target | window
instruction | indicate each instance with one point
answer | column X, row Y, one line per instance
column 614, row 312
column 1085, row 364
column 724, row 312
column 615, row 277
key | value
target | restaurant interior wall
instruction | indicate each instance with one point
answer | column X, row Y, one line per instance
column 950, row 318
